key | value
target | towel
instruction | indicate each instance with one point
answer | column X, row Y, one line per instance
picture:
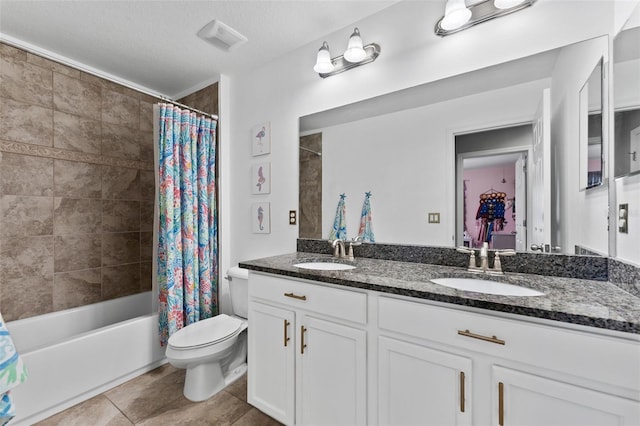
column 366, row 230
column 12, row 373
column 339, row 230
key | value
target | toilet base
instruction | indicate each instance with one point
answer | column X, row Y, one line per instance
column 205, row 380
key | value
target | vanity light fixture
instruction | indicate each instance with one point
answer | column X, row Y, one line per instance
column 355, row 55
column 458, row 16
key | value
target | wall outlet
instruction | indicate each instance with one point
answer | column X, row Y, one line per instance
column 293, row 217
column 623, row 218
column 433, row 217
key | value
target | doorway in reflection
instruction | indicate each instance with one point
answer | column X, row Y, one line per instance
column 492, row 187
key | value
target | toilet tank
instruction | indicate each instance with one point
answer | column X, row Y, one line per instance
column 239, row 290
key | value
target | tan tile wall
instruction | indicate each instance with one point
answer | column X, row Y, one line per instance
column 76, row 187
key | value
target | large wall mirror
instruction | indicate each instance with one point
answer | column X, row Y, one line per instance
column 402, row 148
column 591, row 129
column 626, row 69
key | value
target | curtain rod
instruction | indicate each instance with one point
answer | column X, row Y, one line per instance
column 214, row 116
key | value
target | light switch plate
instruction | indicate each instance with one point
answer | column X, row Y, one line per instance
column 623, row 218
column 433, row 217
column 293, row 217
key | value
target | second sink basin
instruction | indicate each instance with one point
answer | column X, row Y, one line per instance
column 325, row 266
column 486, row 286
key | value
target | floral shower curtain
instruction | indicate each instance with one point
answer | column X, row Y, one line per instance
column 187, row 236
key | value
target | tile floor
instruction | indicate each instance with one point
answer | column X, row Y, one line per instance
column 155, row 398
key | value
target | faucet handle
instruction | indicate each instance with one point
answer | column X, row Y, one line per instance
column 506, row 252
column 467, row 250
column 356, row 241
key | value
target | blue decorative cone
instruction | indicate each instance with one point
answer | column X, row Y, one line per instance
column 340, row 222
column 366, row 230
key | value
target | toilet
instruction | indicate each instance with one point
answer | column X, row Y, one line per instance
column 214, row 350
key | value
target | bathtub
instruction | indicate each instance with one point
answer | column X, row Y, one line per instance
column 75, row 354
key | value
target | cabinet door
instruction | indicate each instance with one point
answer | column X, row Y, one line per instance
column 526, row 399
column 270, row 382
column 333, row 368
column 422, row 386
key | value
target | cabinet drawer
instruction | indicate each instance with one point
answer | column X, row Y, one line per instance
column 343, row 304
column 595, row 357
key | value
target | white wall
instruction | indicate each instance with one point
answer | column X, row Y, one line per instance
column 403, row 157
column 628, row 245
column 286, row 89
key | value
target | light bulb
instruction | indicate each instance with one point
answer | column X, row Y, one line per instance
column 355, row 52
column 507, row 4
column 456, row 15
column 323, row 62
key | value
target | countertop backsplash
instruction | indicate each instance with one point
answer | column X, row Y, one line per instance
column 555, row 265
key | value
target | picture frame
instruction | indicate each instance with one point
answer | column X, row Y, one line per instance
column 261, row 218
column 261, row 139
column 261, row 178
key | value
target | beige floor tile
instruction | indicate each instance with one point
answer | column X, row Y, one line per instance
column 221, row 409
column 238, row 388
column 141, row 397
column 256, row 418
column 95, row 411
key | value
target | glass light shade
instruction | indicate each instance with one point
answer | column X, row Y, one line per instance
column 456, row 15
column 355, row 52
column 506, row 4
column 323, row 62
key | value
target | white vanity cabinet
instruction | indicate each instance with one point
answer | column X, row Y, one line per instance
column 307, row 352
column 523, row 373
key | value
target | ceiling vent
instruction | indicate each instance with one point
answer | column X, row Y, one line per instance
column 221, row 36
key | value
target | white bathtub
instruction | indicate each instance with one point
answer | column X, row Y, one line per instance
column 75, row 354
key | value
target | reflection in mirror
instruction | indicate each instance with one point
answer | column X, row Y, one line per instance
column 591, row 130
column 626, row 69
column 401, row 147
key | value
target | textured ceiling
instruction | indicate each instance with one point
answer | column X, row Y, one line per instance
column 154, row 44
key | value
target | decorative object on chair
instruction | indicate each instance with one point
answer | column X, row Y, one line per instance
column 458, row 16
column 355, row 55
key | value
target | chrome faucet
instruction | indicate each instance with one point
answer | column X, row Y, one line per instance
column 338, row 248
column 484, row 259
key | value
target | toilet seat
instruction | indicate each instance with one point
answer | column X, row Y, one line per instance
column 206, row 332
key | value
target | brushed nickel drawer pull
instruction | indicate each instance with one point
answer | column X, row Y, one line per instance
column 492, row 339
column 462, row 391
column 286, row 337
column 501, row 403
column 295, row 296
column 302, row 344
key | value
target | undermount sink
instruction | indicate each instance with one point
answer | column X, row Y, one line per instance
column 324, row 266
column 486, row 286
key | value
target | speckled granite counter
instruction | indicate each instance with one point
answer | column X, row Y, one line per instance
column 592, row 303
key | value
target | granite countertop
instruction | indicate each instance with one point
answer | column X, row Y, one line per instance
column 585, row 302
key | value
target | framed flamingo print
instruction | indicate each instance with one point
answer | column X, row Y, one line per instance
column 261, row 139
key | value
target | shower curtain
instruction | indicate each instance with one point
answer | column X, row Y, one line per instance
column 187, row 250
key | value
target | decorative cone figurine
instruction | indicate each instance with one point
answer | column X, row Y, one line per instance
column 366, row 230
column 339, row 230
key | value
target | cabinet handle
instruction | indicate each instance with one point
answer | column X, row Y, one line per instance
column 500, row 403
column 295, row 296
column 492, row 339
column 286, row 338
column 302, row 344
column 462, row 391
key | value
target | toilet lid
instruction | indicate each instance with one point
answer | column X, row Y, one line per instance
column 206, row 332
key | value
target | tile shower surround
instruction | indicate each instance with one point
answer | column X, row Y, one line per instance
column 76, row 187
